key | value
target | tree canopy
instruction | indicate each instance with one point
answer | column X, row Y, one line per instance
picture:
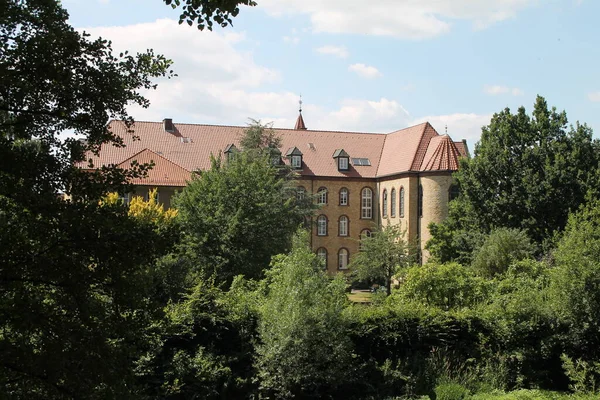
column 528, row 172
column 205, row 12
column 74, row 274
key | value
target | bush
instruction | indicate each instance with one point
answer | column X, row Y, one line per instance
column 500, row 249
column 451, row 391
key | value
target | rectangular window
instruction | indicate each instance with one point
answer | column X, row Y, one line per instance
column 343, row 163
column 344, row 197
column 343, row 226
column 297, row 162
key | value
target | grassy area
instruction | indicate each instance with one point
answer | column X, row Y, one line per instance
column 532, row 395
column 360, row 297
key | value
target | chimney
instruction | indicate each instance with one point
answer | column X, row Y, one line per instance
column 168, row 124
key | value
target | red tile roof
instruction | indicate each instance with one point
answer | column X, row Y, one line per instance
column 164, row 172
column 442, row 155
column 300, row 123
column 190, row 146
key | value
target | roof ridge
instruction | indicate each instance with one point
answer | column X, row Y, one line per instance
column 279, row 129
column 414, row 160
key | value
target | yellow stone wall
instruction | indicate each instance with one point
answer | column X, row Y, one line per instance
column 435, row 209
column 435, row 204
column 333, row 211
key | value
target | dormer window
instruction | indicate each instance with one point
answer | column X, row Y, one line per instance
column 230, row 152
column 275, row 156
column 343, row 159
column 295, row 156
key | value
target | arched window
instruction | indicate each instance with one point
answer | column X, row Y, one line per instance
column 366, row 206
column 322, row 254
column 453, row 192
column 393, row 203
column 401, row 202
column 322, row 225
column 300, row 193
column 322, row 196
column 343, row 226
column 420, row 202
column 343, row 256
column 365, row 233
column 343, row 197
column 384, row 203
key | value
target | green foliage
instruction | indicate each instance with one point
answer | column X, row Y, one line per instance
column 199, row 350
column 75, row 276
column 381, row 256
column 583, row 375
column 236, row 216
column 205, row 12
column 500, row 249
column 304, row 349
column 575, row 288
column 447, row 286
column 451, row 391
column 528, row 173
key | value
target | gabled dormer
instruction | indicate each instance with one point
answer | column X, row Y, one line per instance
column 342, row 159
column 295, row 156
column 274, row 155
column 230, row 152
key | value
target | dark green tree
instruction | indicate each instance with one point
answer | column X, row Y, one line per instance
column 381, row 255
column 205, row 12
column 528, row 172
column 304, row 349
column 238, row 215
column 74, row 275
column 500, row 249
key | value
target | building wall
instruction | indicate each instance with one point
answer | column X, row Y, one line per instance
column 436, row 190
column 333, row 211
column 165, row 193
column 435, row 209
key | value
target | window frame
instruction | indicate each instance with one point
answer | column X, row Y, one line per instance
column 321, row 257
column 384, row 203
column 366, row 210
column 368, row 233
column 325, row 220
column 347, row 197
column 347, row 261
column 401, row 202
column 296, row 162
column 346, row 221
column 300, row 193
column 344, row 160
column 322, row 195
column 393, row 203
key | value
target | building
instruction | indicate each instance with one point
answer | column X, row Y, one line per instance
column 362, row 179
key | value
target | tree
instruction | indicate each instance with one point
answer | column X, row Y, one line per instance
column 237, row 215
column 205, row 12
column 304, row 350
column 575, row 281
column 528, row 173
column 381, row 256
column 499, row 250
column 74, row 275
column 446, row 286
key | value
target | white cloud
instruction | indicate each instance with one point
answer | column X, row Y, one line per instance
column 460, row 126
column 216, row 82
column 358, row 115
column 291, row 39
column 337, row 51
column 366, row 71
column 594, row 96
column 497, row 89
column 411, row 19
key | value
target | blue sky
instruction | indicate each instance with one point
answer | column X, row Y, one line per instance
column 365, row 66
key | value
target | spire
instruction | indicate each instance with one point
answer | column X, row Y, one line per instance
column 300, row 121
